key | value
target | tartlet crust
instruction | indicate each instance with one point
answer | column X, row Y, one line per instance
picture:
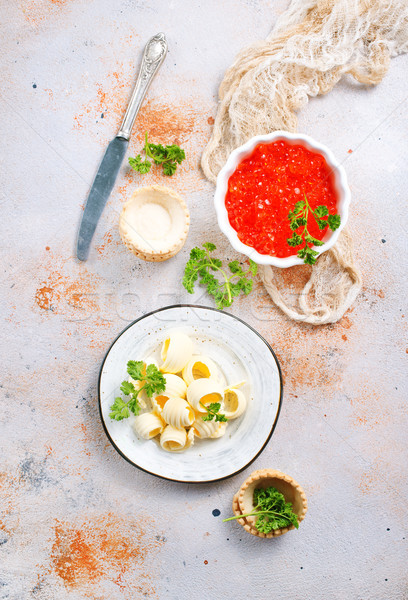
column 142, row 253
column 293, row 492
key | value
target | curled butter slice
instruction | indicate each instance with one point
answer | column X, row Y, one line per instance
column 175, row 386
column 199, row 367
column 234, row 403
column 204, row 391
column 190, row 438
column 178, row 413
column 176, row 351
column 173, row 439
column 150, row 360
column 158, row 403
column 207, row 429
column 142, row 397
column 220, row 431
column 148, row 425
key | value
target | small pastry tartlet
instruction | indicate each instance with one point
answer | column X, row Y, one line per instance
column 154, row 223
column 243, row 500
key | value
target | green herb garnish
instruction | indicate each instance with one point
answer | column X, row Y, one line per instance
column 139, row 165
column 152, row 381
column 298, row 217
column 272, row 510
column 213, row 410
column 201, row 265
column 167, row 156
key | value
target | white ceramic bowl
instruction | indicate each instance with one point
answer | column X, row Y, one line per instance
column 240, row 354
column 237, row 155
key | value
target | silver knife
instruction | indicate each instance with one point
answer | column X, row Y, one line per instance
column 153, row 56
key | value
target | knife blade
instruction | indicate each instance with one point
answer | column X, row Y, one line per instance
column 153, row 56
column 99, row 194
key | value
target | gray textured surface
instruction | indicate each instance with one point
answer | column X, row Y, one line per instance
column 76, row 520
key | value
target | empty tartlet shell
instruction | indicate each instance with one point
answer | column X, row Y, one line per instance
column 142, row 252
column 243, row 500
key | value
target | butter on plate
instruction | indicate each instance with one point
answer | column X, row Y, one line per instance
column 154, row 223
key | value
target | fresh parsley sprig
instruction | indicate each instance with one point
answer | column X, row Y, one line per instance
column 139, row 165
column 152, row 381
column 201, row 265
column 213, row 411
column 272, row 510
column 299, row 217
column 168, row 156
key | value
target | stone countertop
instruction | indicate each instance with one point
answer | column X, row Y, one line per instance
column 76, row 520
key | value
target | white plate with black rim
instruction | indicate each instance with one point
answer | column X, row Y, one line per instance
column 241, row 354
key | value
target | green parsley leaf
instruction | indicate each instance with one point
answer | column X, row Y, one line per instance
column 138, row 165
column 321, row 223
column 209, row 247
column 253, row 267
column 295, row 240
column 308, row 255
column 127, row 388
column 299, row 217
column 235, row 267
column 169, row 168
column 156, row 151
column 202, row 266
column 321, row 211
column 334, row 222
column 213, row 411
column 119, row 410
column 168, row 156
column 135, row 368
column 133, row 404
column 152, row 382
column 271, row 509
column 175, row 153
column 299, row 206
column 311, row 240
column 247, row 286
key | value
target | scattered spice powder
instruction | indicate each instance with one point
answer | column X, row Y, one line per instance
column 61, row 293
column 308, row 355
column 166, row 122
column 345, row 322
column 9, row 513
column 108, row 243
column 105, row 548
column 43, row 297
column 38, row 11
column 367, row 405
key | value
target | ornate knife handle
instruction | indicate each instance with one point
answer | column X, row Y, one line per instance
column 153, row 56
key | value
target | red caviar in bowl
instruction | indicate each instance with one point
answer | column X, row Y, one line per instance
column 266, row 185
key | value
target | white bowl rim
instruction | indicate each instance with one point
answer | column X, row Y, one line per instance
column 238, row 155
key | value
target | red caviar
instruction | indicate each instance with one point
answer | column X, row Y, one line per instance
column 266, row 185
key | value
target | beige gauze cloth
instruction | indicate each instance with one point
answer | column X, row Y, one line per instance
column 313, row 44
